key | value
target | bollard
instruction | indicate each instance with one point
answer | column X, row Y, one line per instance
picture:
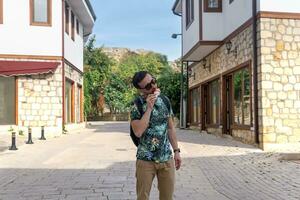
column 13, row 141
column 42, row 133
column 29, row 137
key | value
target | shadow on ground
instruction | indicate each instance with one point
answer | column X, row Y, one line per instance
column 187, row 136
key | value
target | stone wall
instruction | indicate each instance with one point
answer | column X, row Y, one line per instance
column 221, row 62
column 40, row 102
column 279, row 60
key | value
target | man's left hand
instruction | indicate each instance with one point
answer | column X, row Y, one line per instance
column 177, row 159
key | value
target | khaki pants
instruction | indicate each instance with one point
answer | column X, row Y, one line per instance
column 145, row 173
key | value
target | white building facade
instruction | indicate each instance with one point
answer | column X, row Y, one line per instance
column 244, row 68
column 41, row 64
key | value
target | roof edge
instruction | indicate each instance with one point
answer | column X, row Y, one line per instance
column 88, row 3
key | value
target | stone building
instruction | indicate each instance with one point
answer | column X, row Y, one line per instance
column 41, row 64
column 243, row 62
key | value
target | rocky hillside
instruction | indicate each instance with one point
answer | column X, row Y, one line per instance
column 118, row 53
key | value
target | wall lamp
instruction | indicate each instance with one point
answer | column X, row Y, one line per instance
column 175, row 35
column 191, row 73
column 206, row 65
column 229, row 47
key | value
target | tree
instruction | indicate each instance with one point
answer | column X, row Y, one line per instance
column 96, row 75
column 169, row 83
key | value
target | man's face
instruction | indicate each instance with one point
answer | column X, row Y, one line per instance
column 147, row 85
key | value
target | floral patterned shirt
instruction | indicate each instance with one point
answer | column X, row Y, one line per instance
column 154, row 143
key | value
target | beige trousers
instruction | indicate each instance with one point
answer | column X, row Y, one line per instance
column 145, row 173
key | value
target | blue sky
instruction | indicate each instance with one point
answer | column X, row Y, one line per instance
column 138, row 24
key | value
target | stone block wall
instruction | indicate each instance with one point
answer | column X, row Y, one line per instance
column 279, row 80
column 40, row 102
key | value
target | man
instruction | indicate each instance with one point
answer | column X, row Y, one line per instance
column 156, row 131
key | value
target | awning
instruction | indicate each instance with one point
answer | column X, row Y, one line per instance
column 18, row 68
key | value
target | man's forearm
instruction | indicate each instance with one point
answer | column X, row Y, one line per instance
column 139, row 126
column 173, row 138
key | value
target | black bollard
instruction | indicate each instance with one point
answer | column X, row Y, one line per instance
column 13, row 141
column 29, row 137
column 42, row 133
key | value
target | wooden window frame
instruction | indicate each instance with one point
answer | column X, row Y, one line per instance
column 209, row 106
column 189, row 13
column 72, row 26
column 72, row 99
column 79, row 87
column 1, row 11
column 49, row 14
column 77, row 26
column 67, row 18
column 208, row 9
column 198, row 107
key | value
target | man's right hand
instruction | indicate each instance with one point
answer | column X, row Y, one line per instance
column 151, row 101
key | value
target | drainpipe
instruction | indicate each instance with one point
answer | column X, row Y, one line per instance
column 63, row 63
column 255, row 71
column 181, row 98
column 187, row 95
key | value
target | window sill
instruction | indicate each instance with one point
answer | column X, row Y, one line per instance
column 40, row 24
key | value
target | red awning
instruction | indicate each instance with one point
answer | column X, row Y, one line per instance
column 18, row 68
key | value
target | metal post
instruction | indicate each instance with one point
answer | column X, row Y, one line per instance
column 181, row 98
column 13, row 141
column 29, row 136
column 42, row 133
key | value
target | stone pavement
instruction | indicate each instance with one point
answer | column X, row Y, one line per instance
column 99, row 162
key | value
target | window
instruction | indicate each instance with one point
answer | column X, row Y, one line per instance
column 41, row 12
column 212, row 5
column 189, row 12
column 77, row 26
column 67, row 18
column 241, row 104
column 214, row 102
column 79, row 113
column 1, row 11
column 69, row 102
column 72, row 26
column 195, row 99
column 7, row 101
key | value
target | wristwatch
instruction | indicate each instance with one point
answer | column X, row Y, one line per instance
column 176, row 150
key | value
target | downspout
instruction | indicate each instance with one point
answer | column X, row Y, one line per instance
column 255, row 71
column 63, row 63
column 181, row 97
column 187, row 95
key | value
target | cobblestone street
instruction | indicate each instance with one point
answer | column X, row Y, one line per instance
column 99, row 163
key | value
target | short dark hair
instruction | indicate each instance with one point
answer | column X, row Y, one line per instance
column 138, row 77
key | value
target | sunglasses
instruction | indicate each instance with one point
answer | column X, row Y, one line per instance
column 149, row 85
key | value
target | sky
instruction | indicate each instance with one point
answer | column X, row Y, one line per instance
column 138, row 24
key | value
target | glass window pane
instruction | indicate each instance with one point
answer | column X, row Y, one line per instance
column 215, row 99
column 237, row 87
column 7, row 101
column 246, row 98
column 213, row 3
column 40, row 11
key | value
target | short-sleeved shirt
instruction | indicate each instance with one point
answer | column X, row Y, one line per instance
column 154, row 143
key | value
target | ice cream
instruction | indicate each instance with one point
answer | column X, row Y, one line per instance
column 156, row 92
